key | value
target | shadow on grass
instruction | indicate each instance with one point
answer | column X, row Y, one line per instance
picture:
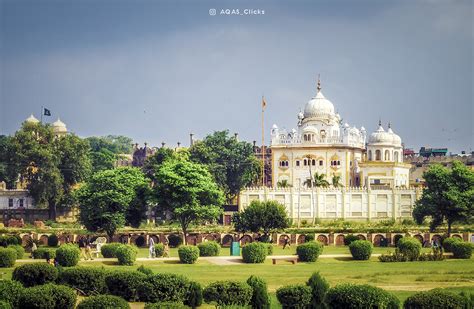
column 344, row 259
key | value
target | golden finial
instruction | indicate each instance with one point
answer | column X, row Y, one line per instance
column 380, row 122
column 389, row 124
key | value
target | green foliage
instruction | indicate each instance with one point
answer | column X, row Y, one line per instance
column 6, row 240
column 10, row 291
column 309, row 251
column 140, row 241
column 88, row 280
column 35, row 274
column 193, row 297
column 462, row 250
column 348, row 239
column 228, row 293
column 349, row 295
column 102, row 160
column 319, row 287
column 435, row 255
column 266, row 216
column 294, row 296
column 48, row 296
column 255, row 252
column 68, row 255
column 103, row 302
column 154, row 162
column 166, row 305
column 308, row 237
column 145, row 270
column 260, row 298
column 448, row 242
column 209, row 248
column 436, row 298
column 159, row 250
column 393, row 257
column 19, row 251
column 8, row 257
column 319, row 180
column 269, row 249
column 361, row 249
column 110, row 250
column 449, row 196
column 5, row 305
column 117, row 144
column 126, row 254
column 163, row 287
column 125, row 284
column 44, row 253
column 53, row 240
column 410, row 247
column 188, row 254
column 175, row 240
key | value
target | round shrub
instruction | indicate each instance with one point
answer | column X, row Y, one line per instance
column 7, row 257
column 175, row 240
column 20, row 251
column 255, row 252
column 103, row 302
column 68, row 255
column 260, row 299
column 5, row 305
column 125, row 284
column 308, row 237
column 361, row 249
column 350, row 238
column 159, row 250
column 109, row 250
column 396, row 239
column 209, row 248
column 309, row 251
column 188, row 254
column 163, row 287
column 48, row 296
column 294, row 296
column 228, row 293
column 448, row 242
column 140, row 241
column 44, row 253
column 88, row 280
column 145, row 270
column 10, row 291
column 319, row 287
column 269, row 249
column 53, row 240
column 349, row 295
column 194, row 295
column 410, row 247
column 126, row 254
column 436, row 298
column 7, row 240
column 461, row 250
column 166, row 305
column 35, row 274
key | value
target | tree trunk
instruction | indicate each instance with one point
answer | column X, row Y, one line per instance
column 449, row 228
column 52, row 211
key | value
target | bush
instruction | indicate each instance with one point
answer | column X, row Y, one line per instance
column 436, row 298
column 319, row 287
column 19, row 251
column 188, row 254
column 194, row 296
column 88, row 280
column 294, row 296
column 48, row 296
column 125, row 284
column 396, row 239
column 209, row 248
column 254, row 252
column 109, row 250
column 461, row 250
column 393, row 257
column 166, row 305
column 349, row 239
column 349, row 295
column 35, row 274
column 140, row 241
column 5, row 305
column 269, row 249
column 361, row 249
column 7, row 257
column 68, row 255
column 10, row 291
column 435, row 255
column 159, row 250
column 53, row 240
column 309, row 251
column 410, row 247
column 103, row 302
column 44, row 253
column 126, row 254
column 163, row 287
column 174, row 240
column 7, row 240
column 448, row 242
column 308, row 237
column 260, row 299
column 228, row 293
column 145, row 270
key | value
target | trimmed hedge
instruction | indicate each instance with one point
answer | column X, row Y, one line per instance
column 103, row 302
column 436, row 298
column 163, row 287
column 309, row 251
column 260, row 298
column 319, row 287
column 35, row 274
column 349, row 239
column 188, row 254
column 269, row 249
column 175, row 240
column 68, row 255
column 53, row 240
column 88, row 280
column 10, row 291
column 461, row 250
column 159, row 250
column 209, row 248
column 145, row 270
column 194, row 295
column 126, row 254
column 361, row 249
column 125, row 284
column 44, row 253
column 7, row 257
column 294, row 296
column 409, row 247
column 228, row 293
column 48, row 296
column 166, row 305
column 349, row 295
column 20, row 251
column 448, row 242
column 255, row 252
column 7, row 240
column 109, row 250
column 140, row 241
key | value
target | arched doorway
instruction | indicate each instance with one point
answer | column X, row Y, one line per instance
column 227, row 240
column 340, row 240
column 323, row 239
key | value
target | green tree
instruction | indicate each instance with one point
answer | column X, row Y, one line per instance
column 103, row 159
column 232, row 163
column 318, row 181
column 105, row 200
column 188, row 191
column 9, row 169
column 448, row 196
column 154, row 162
column 266, row 217
column 336, row 181
column 114, row 143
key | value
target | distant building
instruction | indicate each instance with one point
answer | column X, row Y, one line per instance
column 433, row 152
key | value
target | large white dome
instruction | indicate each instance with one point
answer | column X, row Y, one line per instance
column 319, row 107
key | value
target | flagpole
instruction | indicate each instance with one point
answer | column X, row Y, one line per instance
column 263, row 143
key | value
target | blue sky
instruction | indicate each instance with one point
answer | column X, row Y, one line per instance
column 158, row 70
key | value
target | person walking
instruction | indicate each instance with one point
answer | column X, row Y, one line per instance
column 286, row 243
column 33, row 248
column 151, row 248
column 166, row 251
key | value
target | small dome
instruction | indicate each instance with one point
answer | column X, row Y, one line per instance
column 396, row 140
column 362, row 129
column 274, row 127
column 381, row 137
column 32, row 119
column 346, row 125
column 59, row 126
column 319, row 107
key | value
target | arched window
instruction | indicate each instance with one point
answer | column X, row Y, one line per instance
column 313, row 162
column 395, row 156
column 320, row 162
column 378, row 155
column 297, row 162
column 387, row 155
column 305, row 162
column 370, row 155
column 338, row 162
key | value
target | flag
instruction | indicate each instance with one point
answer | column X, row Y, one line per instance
column 46, row 112
column 264, row 103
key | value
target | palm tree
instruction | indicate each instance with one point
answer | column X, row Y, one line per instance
column 336, row 181
column 318, row 181
column 283, row 184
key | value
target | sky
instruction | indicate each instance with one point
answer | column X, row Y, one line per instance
column 158, row 70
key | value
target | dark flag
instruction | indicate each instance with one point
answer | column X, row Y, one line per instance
column 46, row 112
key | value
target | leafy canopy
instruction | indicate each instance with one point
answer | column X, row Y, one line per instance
column 267, row 216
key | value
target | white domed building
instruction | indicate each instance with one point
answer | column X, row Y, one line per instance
column 59, row 128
